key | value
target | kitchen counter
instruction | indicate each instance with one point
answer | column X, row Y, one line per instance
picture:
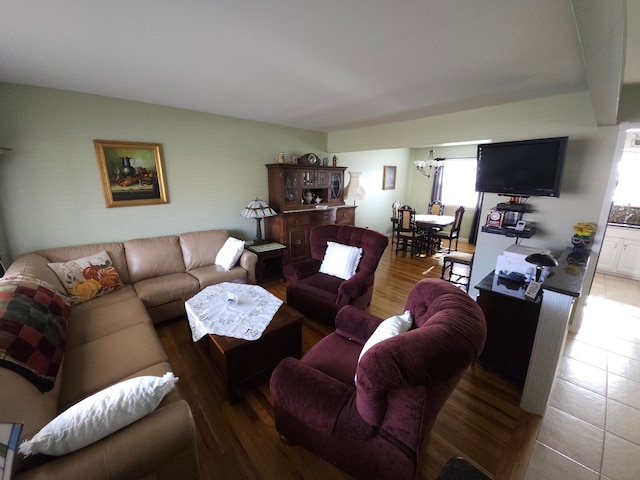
column 623, row 225
column 623, row 215
column 553, row 313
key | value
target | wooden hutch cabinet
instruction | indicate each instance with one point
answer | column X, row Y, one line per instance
column 304, row 196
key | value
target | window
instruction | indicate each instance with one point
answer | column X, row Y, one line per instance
column 628, row 173
column 459, row 182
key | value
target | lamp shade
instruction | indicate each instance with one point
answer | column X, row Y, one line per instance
column 354, row 190
column 541, row 260
column 258, row 209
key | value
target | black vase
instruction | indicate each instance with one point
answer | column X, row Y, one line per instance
column 127, row 170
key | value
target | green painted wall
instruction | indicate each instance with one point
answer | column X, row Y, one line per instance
column 375, row 211
column 50, row 190
column 586, row 191
column 590, row 156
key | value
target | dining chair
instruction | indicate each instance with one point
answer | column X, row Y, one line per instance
column 436, row 208
column 408, row 236
column 395, row 206
column 452, row 233
column 456, row 269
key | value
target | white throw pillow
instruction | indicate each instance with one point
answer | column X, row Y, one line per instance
column 230, row 252
column 100, row 415
column 340, row 260
column 388, row 328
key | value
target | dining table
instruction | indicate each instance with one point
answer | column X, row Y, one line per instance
column 427, row 223
column 431, row 223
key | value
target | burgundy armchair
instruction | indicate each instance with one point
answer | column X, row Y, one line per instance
column 375, row 428
column 320, row 296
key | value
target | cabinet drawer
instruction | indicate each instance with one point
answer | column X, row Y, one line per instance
column 296, row 220
column 323, row 216
column 346, row 216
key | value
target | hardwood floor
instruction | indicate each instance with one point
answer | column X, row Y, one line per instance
column 481, row 421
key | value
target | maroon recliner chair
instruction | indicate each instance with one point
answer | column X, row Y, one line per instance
column 375, row 429
column 320, row 296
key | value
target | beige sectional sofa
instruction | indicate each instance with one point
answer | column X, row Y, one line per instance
column 111, row 338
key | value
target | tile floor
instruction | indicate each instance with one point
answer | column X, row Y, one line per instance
column 591, row 429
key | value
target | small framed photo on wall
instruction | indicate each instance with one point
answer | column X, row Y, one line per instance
column 389, row 178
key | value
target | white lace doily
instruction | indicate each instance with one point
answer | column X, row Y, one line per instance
column 212, row 311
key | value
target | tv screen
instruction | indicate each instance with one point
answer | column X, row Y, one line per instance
column 522, row 168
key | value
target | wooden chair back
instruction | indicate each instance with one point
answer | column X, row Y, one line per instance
column 406, row 218
column 436, row 208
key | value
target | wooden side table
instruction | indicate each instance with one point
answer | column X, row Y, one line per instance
column 270, row 258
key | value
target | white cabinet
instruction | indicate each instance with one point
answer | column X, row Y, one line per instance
column 629, row 261
column 620, row 254
column 609, row 254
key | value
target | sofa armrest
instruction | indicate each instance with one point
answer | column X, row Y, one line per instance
column 318, row 398
column 248, row 261
column 355, row 324
column 137, row 451
column 297, row 271
column 355, row 287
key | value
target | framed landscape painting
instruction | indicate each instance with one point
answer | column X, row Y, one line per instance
column 131, row 172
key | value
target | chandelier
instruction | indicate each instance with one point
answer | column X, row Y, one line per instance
column 426, row 167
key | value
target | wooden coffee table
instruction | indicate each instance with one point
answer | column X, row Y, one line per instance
column 240, row 360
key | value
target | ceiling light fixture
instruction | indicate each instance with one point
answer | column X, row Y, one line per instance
column 426, row 167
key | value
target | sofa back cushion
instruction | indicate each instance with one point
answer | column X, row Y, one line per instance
column 66, row 254
column 36, row 266
column 199, row 249
column 449, row 335
column 153, row 257
column 373, row 243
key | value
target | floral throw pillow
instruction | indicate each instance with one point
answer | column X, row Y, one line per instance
column 88, row 277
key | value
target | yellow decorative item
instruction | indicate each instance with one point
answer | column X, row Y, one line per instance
column 85, row 290
column 584, row 229
column 582, row 238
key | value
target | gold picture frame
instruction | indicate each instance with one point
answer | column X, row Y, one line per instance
column 389, row 178
column 132, row 173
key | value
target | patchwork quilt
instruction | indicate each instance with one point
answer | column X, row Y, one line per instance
column 33, row 329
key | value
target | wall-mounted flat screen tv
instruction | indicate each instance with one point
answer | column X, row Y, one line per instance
column 522, row 168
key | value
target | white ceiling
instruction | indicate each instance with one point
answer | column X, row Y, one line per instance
column 323, row 65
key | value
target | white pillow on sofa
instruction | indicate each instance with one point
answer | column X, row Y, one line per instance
column 388, row 328
column 230, row 252
column 100, row 415
column 340, row 260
